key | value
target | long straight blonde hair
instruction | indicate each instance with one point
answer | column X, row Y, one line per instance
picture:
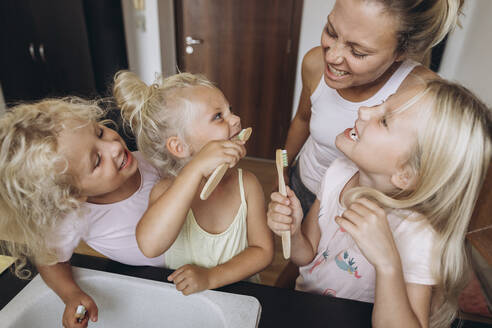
column 451, row 159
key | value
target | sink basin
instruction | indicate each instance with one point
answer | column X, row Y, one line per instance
column 125, row 301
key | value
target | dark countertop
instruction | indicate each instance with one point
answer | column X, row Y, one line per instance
column 280, row 307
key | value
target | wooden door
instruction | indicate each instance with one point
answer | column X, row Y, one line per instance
column 249, row 49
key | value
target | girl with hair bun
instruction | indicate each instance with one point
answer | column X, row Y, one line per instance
column 389, row 221
column 209, row 243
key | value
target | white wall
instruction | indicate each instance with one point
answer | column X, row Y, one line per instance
column 143, row 39
column 467, row 58
column 314, row 14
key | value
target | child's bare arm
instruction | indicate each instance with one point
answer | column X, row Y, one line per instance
column 170, row 200
column 257, row 256
column 396, row 303
column 59, row 278
column 169, row 203
column 305, row 242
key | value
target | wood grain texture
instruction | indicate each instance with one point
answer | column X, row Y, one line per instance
column 249, row 50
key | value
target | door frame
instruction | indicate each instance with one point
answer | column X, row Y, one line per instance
column 167, row 35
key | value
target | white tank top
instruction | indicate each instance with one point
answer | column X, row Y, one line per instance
column 330, row 115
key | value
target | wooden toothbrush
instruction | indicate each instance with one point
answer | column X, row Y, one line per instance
column 218, row 174
column 281, row 162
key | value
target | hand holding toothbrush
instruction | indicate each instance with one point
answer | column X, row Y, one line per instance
column 215, row 154
column 284, row 214
column 75, row 301
column 218, row 174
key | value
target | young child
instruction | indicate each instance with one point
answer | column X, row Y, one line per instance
column 66, row 177
column 389, row 226
column 210, row 242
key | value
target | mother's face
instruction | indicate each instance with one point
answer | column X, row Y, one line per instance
column 359, row 43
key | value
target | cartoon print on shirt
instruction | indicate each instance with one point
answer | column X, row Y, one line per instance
column 323, row 258
column 346, row 264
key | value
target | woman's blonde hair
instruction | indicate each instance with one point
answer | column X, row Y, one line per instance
column 422, row 23
column 36, row 191
column 157, row 112
column 451, row 159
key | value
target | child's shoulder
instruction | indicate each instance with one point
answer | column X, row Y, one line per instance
column 159, row 188
column 251, row 183
column 249, row 180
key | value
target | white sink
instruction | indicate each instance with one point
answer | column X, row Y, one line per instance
column 125, row 301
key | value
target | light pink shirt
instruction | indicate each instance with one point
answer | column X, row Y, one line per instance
column 339, row 268
column 110, row 228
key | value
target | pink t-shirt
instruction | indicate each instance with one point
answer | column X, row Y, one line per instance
column 110, row 228
column 339, row 268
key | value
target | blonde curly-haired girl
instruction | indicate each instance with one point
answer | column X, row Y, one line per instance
column 66, row 177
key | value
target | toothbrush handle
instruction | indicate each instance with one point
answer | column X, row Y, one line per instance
column 213, row 181
column 285, row 234
column 286, row 244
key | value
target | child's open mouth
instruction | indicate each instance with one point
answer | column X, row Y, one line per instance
column 127, row 160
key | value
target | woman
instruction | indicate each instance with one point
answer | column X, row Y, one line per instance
column 368, row 50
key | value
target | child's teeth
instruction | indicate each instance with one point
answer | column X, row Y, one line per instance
column 353, row 135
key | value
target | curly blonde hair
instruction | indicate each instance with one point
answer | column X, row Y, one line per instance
column 157, row 112
column 36, row 191
column 451, row 159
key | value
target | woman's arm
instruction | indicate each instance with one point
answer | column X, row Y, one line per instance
column 170, row 200
column 59, row 278
column 312, row 69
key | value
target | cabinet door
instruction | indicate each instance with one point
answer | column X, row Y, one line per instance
column 21, row 73
column 64, row 46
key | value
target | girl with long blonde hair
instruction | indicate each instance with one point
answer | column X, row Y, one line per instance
column 388, row 226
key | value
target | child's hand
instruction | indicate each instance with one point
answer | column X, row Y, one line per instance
column 284, row 213
column 190, row 279
column 216, row 153
column 368, row 225
column 79, row 298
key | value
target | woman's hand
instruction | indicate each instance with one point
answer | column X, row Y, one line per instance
column 216, row 153
column 190, row 279
column 368, row 225
column 79, row 298
column 284, row 213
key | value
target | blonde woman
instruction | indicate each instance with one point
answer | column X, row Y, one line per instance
column 368, row 49
column 389, row 222
column 66, row 177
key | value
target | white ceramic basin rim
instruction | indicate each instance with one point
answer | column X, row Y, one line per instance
column 125, row 301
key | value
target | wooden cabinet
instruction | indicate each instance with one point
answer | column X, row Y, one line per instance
column 53, row 48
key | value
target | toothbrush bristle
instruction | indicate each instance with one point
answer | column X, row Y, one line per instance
column 285, row 160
